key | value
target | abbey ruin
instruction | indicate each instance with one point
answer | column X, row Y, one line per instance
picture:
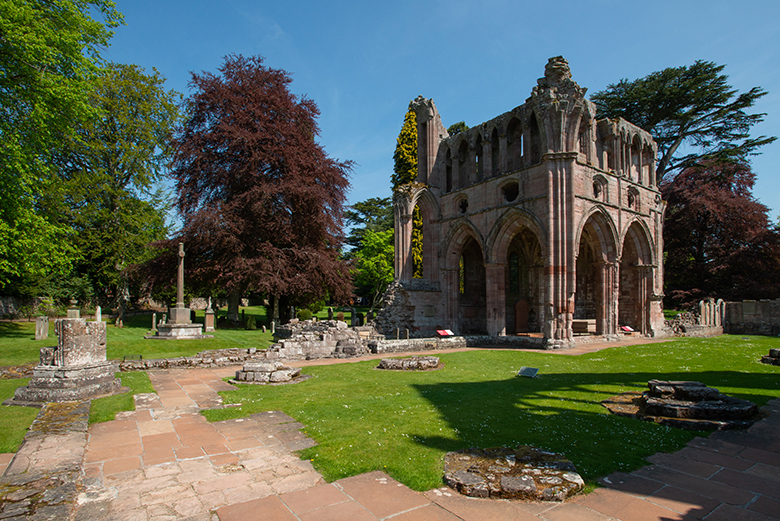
column 541, row 221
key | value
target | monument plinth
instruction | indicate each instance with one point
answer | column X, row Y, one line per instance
column 75, row 370
column 179, row 326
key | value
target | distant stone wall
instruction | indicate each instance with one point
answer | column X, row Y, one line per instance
column 211, row 358
column 753, row 317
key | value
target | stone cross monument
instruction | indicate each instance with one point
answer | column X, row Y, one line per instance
column 179, row 325
column 180, row 314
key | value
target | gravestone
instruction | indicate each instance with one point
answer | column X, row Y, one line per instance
column 75, row 370
column 42, row 328
column 330, row 313
column 98, row 314
column 209, row 317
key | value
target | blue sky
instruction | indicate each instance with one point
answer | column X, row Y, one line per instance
column 362, row 61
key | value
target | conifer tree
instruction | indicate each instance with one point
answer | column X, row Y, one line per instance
column 405, row 156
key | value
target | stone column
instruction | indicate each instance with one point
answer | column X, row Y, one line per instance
column 180, row 278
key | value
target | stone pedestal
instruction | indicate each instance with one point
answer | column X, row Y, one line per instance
column 209, row 321
column 179, row 315
column 75, row 370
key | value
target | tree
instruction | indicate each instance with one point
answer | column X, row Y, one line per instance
column 374, row 214
column 262, row 203
column 687, row 109
column 457, row 128
column 373, row 267
column 405, row 156
column 111, row 172
column 49, row 52
column 718, row 238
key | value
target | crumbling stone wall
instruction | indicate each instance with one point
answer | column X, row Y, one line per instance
column 753, row 317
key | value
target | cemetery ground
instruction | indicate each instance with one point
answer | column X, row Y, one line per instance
column 403, row 423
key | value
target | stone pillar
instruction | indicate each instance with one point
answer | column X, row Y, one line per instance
column 495, row 273
column 180, row 314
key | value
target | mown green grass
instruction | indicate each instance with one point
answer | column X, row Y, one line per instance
column 105, row 409
column 403, row 423
column 14, row 420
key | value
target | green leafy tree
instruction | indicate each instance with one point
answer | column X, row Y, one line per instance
column 374, row 214
column 405, row 156
column 49, row 52
column 691, row 111
column 374, row 264
column 112, row 173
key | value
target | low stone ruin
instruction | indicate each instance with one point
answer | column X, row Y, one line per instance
column 268, row 373
column 413, row 363
column 686, row 405
column 773, row 358
column 75, row 370
column 309, row 340
column 523, row 473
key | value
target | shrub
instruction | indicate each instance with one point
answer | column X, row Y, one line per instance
column 251, row 323
column 340, row 316
column 304, row 314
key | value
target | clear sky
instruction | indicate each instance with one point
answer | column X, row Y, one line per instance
column 363, row 61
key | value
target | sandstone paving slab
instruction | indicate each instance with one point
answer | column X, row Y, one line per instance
column 689, row 466
column 574, row 512
column 684, row 501
column 476, row 508
column 380, row 494
column 733, row 513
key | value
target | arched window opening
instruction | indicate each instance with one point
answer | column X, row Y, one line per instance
column 417, row 243
column 448, row 174
column 494, row 153
column 514, row 142
column 463, row 164
column 514, row 273
column 461, row 276
column 536, row 141
column 479, row 162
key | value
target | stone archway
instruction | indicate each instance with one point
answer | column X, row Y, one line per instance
column 595, row 299
column 636, row 284
column 523, row 283
column 472, row 294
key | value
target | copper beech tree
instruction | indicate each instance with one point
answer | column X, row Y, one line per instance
column 261, row 201
column 718, row 239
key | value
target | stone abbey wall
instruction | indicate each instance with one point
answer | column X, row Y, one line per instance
column 532, row 221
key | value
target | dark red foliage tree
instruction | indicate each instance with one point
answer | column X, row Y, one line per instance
column 718, row 240
column 262, row 203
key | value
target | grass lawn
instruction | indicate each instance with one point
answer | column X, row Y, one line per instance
column 364, row 419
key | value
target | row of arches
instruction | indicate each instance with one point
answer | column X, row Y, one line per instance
column 469, row 158
column 503, row 277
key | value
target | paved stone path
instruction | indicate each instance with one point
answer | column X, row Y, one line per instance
column 164, row 461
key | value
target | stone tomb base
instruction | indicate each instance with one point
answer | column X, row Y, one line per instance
column 179, row 332
column 773, row 358
column 685, row 405
column 523, row 473
column 75, row 370
column 67, row 384
column 268, row 373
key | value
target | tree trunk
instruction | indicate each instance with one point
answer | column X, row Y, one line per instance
column 234, row 300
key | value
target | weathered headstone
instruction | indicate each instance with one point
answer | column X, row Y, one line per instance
column 98, row 314
column 42, row 328
column 330, row 313
column 154, row 321
column 75, row 370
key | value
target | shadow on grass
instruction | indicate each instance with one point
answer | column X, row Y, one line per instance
column 563, row 413
column 18, row 330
